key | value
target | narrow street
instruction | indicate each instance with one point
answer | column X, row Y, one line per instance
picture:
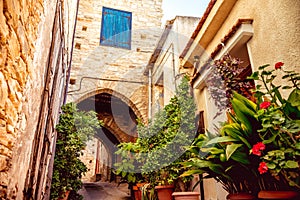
column 105, row 191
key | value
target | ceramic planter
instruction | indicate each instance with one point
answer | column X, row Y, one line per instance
column 186, row 195
column 240, row 196
column 164, row 192
column 287, row 195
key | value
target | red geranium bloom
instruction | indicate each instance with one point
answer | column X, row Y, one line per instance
column 279, row 65
column 257, row 148
column 265, row 105
column 263, row 168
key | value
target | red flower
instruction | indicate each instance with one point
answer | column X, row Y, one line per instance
column 265, row 105
column 279, row 65
column 257, row 148
column 263, row 168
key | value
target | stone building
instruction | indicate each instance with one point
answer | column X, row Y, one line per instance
column 113, row 43
column 163, row 66
column 257, row 32
column 34, row 61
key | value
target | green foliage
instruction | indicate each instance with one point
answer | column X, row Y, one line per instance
column 259, row 146
column 280, row 122
column 226, row 157
column 73, row 131
column 161, row 146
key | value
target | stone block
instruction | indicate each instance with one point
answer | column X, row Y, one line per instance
column 3, row 162
column 13, row 87
column 23, row 40
column 3, row 26
column 13, row 45
column 3, row 90
column 6, row 140
column 12, row 11
column 12, row 115
column 21, row 72
column 3, row 178
column 4, row 151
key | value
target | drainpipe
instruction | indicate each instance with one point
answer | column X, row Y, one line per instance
column 150, row 94
column 71, row 56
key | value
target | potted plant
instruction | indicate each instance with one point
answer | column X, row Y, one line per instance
column 259, row 140
column 73, row 131
column 225, row 157
column 129, row 167
column 279, row 145
column 160, row 146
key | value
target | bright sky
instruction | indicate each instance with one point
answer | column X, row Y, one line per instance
column 194, row 8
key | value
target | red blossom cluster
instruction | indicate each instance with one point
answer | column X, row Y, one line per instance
column 256, row 150
column 278, row 65
column 262, row 168
column 265, row 105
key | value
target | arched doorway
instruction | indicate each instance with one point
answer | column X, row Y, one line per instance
column 120, row 123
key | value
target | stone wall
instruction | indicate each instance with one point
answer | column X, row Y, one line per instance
column 31, row 75
column 97, row 68
column 92, row 63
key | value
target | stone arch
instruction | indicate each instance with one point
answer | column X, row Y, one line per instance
column 119, row 115
column 125, row 99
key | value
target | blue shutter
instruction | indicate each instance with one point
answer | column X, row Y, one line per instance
column 116, row 28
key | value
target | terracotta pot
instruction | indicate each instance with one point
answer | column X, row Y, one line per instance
column 66, row 195
column 240, row 196
column 287, row 195
column 137, row 193
column 164, row 192
column 186, row 195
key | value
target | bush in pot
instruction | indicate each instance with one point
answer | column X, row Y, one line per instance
column 73, row 131
column 160, row 147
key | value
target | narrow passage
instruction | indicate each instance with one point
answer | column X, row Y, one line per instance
column 105, row 191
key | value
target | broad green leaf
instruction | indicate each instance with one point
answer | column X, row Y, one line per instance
column 220, row 140
column 191, row 172
column 230, row 149
column 291, row 164
column 240, row 157
column 245, row 141
column 271, row 165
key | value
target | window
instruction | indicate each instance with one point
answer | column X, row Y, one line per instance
column 200, row 123
column 116, row 28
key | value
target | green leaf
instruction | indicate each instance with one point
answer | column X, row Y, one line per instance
column 220, row 140
column 254, row 76
column 212, row 150
column 192, row 172
column 297, row 145
column 230, row 149
column 271, row 165
column 263, row 66
column 291, row 164
column 286, row 87
column 240, row 157
column 266, row 73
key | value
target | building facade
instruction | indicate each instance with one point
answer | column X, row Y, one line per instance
column 113, row 43
column 257, row 32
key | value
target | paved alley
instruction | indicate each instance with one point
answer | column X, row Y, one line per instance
column 105, row 191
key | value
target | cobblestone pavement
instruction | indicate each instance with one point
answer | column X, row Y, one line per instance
column 105, row 191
